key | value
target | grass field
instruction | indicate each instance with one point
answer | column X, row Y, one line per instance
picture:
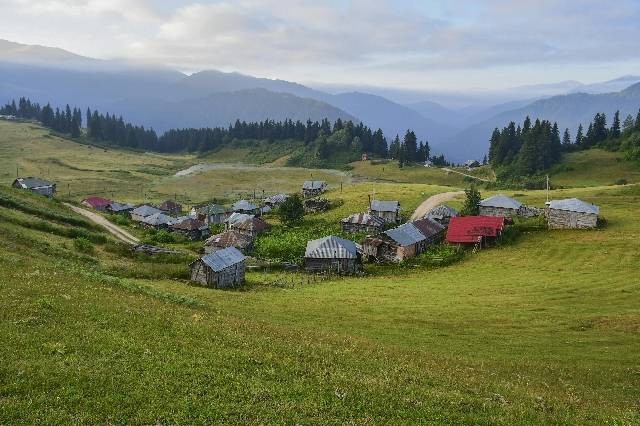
column 544, row 330
column 595, row 167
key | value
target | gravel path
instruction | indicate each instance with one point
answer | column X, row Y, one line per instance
column 115, row 230
column 432, row 202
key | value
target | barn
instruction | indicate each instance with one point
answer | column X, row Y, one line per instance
column 37, row 185
column 363, row 222
column 231, row 238
column 332, row 254
column 500, row 205
column 313, row 188
column 191, row 228
column 442, row 214
column 96, row 203
column 387, row 210
column 139, row 213
column 221, row 269
column 474, row 229
column 572, row 213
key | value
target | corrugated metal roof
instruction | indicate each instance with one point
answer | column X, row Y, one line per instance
column 96, row 202
column 428, row 227
column 574, row 205
column 145, row 210
column 211, row 209
column 118, row 207
column 470, row 229
column 157, row 219
column 406, row 234
column 253, row 224
column 33, row 182
column 501, row 201
column 276, row 199
column 385, row 206
column 331, row 247
column 224, row 258
column 188, row 224
column 314, row 184
column 365, row 219
column 236, row 218
column 244, row 205
column 229, row 238
column 442, row 211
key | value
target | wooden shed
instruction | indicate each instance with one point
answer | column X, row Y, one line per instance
column 500, row 205
column 221, row 269
column 191, row 228
column 394, row 245
column 139, row 213
column 363, row 222
column 231, row 238
column 37, row 185
column 96, row 203
column 572, row 213
column 120, row 208
column 246, row 207
column 442, row 214
column 171, row 207
column 332, row 254
column 387, row 210
column 251, row 227
column 211, row 213
column 157, row 220
column 474, row 229
column 313, row 188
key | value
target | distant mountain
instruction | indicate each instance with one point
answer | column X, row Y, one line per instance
column 568, row 110
column 436, row 112
column 610, row 86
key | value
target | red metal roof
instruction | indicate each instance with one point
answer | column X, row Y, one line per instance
column 96, row 202
column 471, row 229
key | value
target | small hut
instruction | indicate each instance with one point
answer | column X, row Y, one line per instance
column 191, row 228
column 139, row 213
column 119, row 208
column 313, row 188
column 433, row 232
column 246, row 207
column 210, row 213
column 37, row 185
column 442, row 214
column 221, row 269
column 96, row 203
column 332, row 254
column 231, row 238
column 394, row 245
column 474, row 229
column 363, row 222
column 171, row 207
column 275, row 200
column 251, row 227
column 236, row 218
column 157, row 220
column 500, row 205
column 572, row 213
column 387, row 210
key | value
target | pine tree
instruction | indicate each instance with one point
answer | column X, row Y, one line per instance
column 566, row 138
column 638, row 121
column 628, row 124
column 411, row 146
column 615, row 127
column 472, row 200
column 579, row 136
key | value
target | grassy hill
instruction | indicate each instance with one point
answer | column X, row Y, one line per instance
column 594, row 167
column 541, row 330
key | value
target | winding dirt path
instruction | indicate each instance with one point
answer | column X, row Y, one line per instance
column 115, row 230
column 445, row 169
column 432, row 202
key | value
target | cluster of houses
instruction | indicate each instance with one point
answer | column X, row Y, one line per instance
column 387, row 240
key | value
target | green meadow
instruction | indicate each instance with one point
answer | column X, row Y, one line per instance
column 543, row 329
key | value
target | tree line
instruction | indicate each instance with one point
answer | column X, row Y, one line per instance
column 66, row 121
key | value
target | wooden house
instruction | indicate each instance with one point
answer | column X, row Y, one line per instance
column 500, row 205
column 171, row 207
column 191, row 228
column 572, row 213
column 119, row 208
column 387, row 210
column 96, row 203
column 474, row 229
column 251, row 227
column 37, row 185
column 246, row 207
column 275, row 200
column 472, row 164
column 363, row 222
column 313, row 188
column 403, row 242
column 231, row 238
column 221, row 269
column 139, row 213
column 332, row 254
column 211, row 213
column 433, row 233
column 442, row 214
column 236, row 218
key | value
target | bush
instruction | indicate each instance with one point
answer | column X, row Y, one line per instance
column 291, row 211
column 154, row 237
column 620, row 182
column 471, row 205
column 83, row 245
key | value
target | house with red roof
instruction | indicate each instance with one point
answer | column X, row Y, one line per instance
column 474, row 229
column 96, row 203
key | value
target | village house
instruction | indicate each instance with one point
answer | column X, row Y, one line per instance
column 171, row 207
column 251, row 227
column 221, row 269
column 210, row 213
column 363, row 222
column 157, row 220
column 118, row 208
column 403, row 242
column 433, row 233
column 442, row 214
column 500, row 205
column 474, row 229
column 231, row 238
column 37, row 185
column 387, row 210
column 237, row 218
column 96, row 203
column 572, row 213
column 313, row 188
column 332, row 254
column 191, row 228
column 245, row 206
column 275, row 200
column 471, row 164
column 139, row 213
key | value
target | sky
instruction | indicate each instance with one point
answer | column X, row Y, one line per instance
column 439, row 44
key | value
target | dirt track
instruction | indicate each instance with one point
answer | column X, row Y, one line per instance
column 432, row 202
column 115, row 230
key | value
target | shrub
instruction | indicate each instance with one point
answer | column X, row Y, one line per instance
column 620, row 182
column 471, row 205
column 291, row 211
column 83, row 245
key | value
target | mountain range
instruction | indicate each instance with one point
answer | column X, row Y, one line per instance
column 163, row 98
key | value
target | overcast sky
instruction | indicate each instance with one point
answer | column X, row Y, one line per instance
column 409, row 43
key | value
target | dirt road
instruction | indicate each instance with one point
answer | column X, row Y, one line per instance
column 115, row 230
column 432, row 202
column 464, row 174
